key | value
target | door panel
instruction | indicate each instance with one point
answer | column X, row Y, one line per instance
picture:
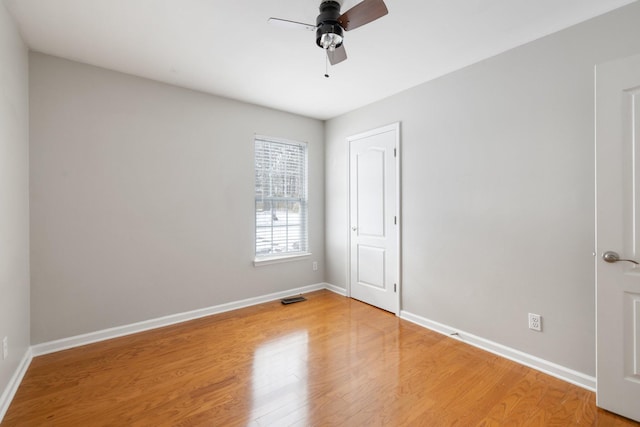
column 632, row 341
column 617, row 229
column 374, row 212
column 370, row 171
column 371, row 266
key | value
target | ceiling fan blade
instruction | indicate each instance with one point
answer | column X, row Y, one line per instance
column 362, row 13
column 285, row 23
column 337, row 55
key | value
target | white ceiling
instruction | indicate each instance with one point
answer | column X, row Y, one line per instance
column 227, row 47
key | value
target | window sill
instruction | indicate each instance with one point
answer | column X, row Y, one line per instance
column 258, row 262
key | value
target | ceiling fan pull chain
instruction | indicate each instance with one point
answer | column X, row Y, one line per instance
column 326, row 66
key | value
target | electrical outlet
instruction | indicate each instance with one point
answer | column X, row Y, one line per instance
column 315, row 265
column 5, row 347
column 535, row 322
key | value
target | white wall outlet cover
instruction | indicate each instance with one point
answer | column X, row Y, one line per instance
column 535, row 322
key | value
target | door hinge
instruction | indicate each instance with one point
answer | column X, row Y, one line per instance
column 395, row 220
column 395, row 152
column 395, row 287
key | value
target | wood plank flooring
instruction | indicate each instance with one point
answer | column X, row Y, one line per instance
column 328, row 361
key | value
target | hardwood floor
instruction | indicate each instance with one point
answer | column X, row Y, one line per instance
column 328, row 361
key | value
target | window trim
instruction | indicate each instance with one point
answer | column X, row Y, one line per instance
column 258, row 262
column 287, row 256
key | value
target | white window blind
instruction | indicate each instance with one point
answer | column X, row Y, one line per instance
column 280, row 197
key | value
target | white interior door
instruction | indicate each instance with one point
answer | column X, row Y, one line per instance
column 618, row 236
column 374, row 217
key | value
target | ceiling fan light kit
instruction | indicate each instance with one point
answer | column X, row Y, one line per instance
column 329, row 33
column 331, row 25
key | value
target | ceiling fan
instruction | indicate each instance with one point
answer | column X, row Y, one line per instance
column 330, row 24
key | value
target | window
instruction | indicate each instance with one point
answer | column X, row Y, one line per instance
column 280, row 198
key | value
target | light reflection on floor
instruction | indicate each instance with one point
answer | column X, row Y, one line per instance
column 280, row 377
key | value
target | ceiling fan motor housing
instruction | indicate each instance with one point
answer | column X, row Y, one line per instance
column 328, row 27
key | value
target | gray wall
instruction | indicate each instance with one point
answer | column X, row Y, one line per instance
column 14, row 196
column 497, row 191
column 142, row 199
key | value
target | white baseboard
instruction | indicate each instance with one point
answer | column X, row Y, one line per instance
column 336, row 289
column 553, row 369
column 119, row 331
column 14, row 383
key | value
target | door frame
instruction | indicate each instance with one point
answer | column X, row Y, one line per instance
column 395, row 127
